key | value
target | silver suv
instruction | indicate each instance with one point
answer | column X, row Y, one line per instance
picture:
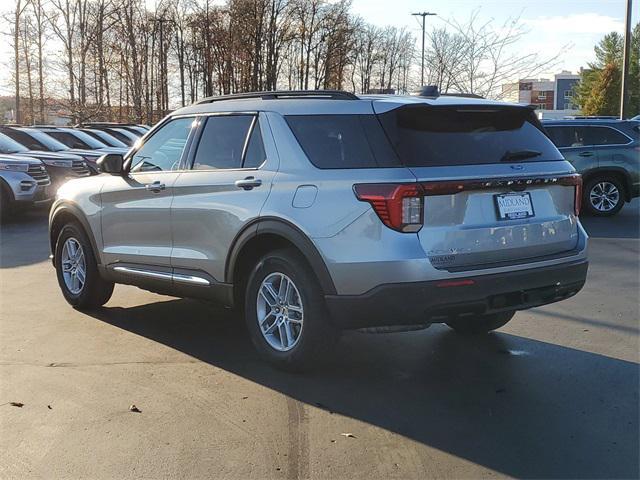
column 24, row 183
column 314, row 212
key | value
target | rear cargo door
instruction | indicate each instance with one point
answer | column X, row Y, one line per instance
column 497, row 190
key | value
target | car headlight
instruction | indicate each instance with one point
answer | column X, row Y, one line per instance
column 14, row 167
column 58, row 163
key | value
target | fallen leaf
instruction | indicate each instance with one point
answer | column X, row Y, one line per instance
column 135, row 409
column 16, row 404
column 348, row 435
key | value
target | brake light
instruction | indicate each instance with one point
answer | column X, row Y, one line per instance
column 399, row 206
column 576, row 181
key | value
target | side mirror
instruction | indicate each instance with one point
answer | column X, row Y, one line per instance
column 111, row 163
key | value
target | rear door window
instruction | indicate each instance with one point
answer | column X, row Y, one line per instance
column 222, row 142
column 255, row 154
column 605, row 136
column 425, row 136
column 69, row 140
column 564, row 137
column 343, row 141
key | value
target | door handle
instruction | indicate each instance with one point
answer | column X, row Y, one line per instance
column 155, row 186
column 248, row 183
column 585, row 154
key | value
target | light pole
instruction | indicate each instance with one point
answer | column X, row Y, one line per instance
column 625, row 63
column 424, row 14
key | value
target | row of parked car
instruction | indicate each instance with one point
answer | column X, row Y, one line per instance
column 36, row 160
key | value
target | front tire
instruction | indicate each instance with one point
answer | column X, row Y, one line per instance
column 285, row 312
column 482, row 324
column 77, row 270
column 603, row 196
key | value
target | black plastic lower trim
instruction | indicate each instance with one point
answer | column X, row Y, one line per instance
column 434, row 301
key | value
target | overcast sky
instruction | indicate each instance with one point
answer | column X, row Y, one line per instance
column 572, row 27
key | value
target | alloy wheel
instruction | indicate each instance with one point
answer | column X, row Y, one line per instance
column 280, row 313
column 74, row 267
column 604, row 196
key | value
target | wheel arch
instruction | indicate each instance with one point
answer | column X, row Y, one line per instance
column 618, row 172
column 59, row 217
column 4, row 185
column 268, row 234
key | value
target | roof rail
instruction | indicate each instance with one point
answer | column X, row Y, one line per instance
column 283, row 94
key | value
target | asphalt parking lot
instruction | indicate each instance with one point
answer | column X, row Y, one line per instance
column 552, row 394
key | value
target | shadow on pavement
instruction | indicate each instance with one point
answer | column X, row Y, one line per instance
column 24, row 239
column 625, row 224
column 519, row 406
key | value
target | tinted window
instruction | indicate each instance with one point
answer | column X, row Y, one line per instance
column 121, row 136
column 25, row 139
column 87, row 139
column 343, row 141
column 51, row 143
column 605, row 136
column 68, row 139
column 565, row 136
column 438, row 136
column 222, row 142
column 163, row 150
column 580, row 136
column 8, row 145
column 105, row 138
column 255, row 155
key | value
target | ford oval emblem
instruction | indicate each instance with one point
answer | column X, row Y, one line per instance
column 517, row 167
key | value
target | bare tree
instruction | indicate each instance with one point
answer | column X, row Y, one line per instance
column 487, row 57
column 16, row 18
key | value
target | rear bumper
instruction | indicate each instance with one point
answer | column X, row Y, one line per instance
column 433, row 301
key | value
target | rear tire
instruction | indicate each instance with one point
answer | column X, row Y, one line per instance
column 603, row 196
column 299, row 315
column 480, row 324
column 85, row 291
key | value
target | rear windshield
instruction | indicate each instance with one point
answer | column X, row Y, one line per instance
column 425, row 136
column 343, row 141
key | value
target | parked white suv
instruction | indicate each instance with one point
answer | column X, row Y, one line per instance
column 315, row 212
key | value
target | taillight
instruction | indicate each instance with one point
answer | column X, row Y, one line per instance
column 576, row 181
column 399, row 206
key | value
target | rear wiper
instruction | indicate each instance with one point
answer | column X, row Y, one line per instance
column 515, row 155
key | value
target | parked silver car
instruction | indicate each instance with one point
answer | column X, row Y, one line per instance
column 24, row 183
column 314, row 212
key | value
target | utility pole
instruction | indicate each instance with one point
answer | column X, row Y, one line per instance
column 625, row 63
column 424, row 14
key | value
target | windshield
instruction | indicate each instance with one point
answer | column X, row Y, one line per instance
column 425, row 136
column 88, row 139
column 8, row 145
column 51, row 143
column 106, row 138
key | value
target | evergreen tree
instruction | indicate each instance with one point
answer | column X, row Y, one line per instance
column 598, row 92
